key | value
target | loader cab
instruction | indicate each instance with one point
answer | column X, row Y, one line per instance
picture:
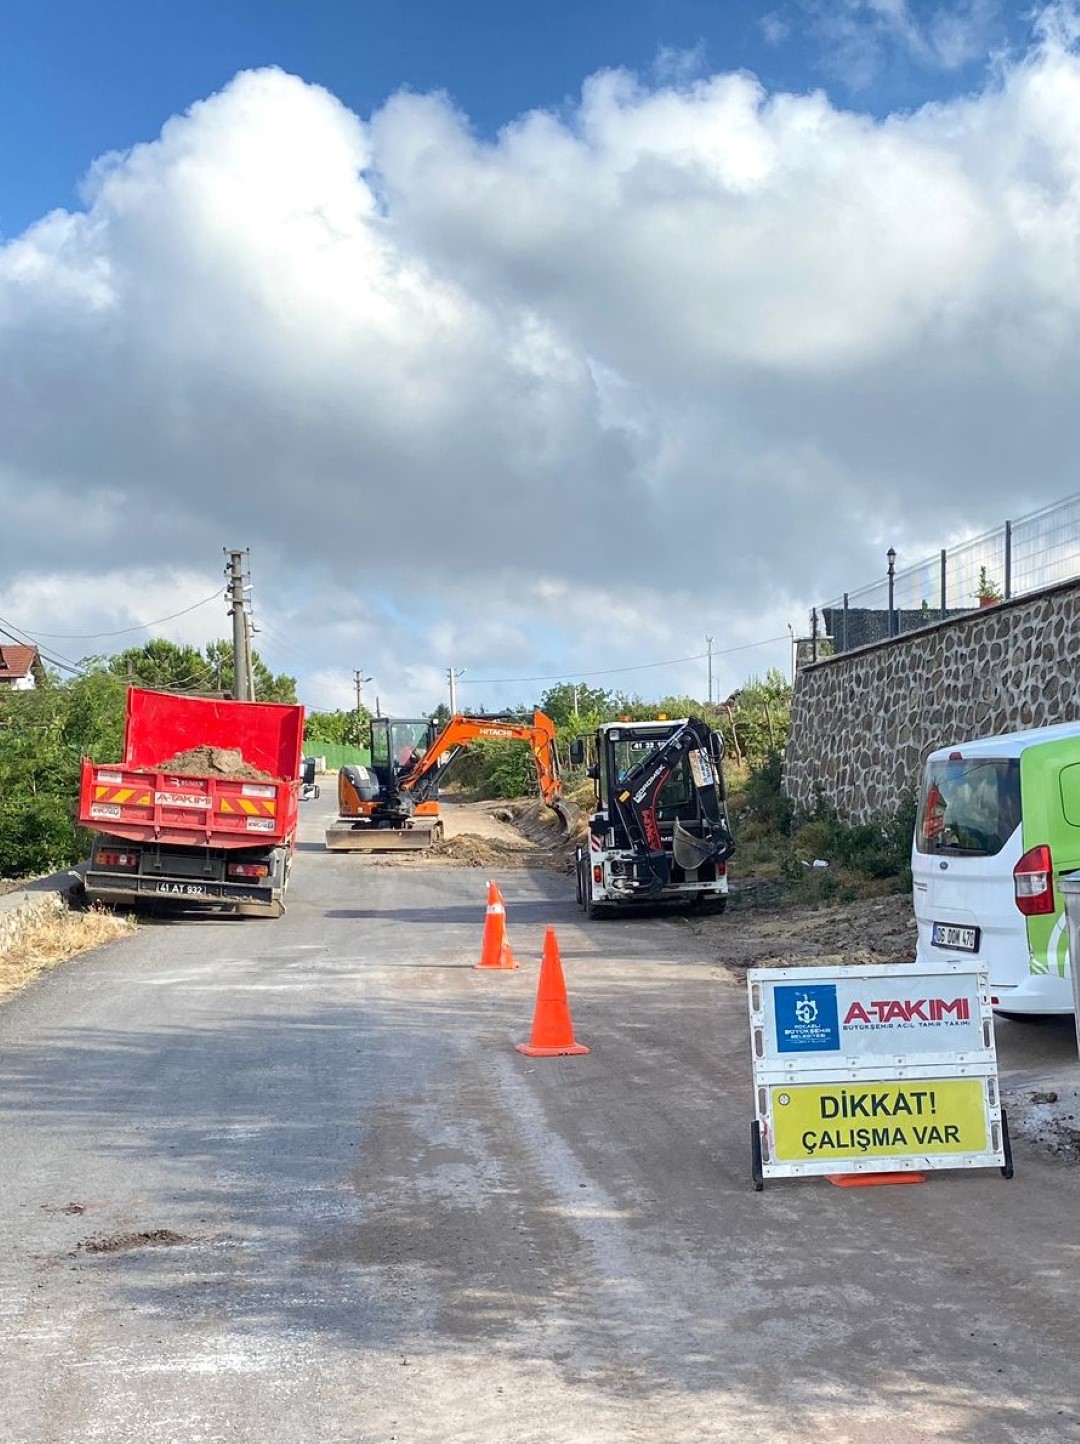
column 624, row 748
column 397, row 743
column 620, row 747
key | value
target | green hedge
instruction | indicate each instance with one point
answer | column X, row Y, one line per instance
column 337, row 755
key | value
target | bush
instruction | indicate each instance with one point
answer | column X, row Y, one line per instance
column 493, row 768
column 763, row 796
column 37, row 836
column 879, row 848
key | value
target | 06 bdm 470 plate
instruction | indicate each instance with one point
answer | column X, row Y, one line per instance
column 964, row 940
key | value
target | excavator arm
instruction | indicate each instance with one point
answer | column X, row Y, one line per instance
column 636, row 799
column 421, row 781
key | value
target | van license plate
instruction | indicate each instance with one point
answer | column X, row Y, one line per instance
column 964, row 940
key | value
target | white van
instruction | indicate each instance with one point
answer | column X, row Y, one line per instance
column 998, row 823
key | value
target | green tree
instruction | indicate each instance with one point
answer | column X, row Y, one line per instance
column 756, row 720
column 341, row 729
column 559, row 703
column 268, row 687
column 170, row 666
column 160, row 663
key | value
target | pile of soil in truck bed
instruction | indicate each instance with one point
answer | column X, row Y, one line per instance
column 214, row 762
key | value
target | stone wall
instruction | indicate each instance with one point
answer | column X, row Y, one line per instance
column 863, row 722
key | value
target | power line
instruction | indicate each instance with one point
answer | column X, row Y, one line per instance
column 24, row 639
column 140, row 627
column 610, row 671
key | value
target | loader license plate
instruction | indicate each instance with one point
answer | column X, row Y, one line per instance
column 182, row 889
column 964, row 940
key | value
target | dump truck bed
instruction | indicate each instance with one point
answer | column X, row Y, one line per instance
column 143, row 805
column 153, row 795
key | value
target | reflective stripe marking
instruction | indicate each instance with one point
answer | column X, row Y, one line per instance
column 122, row 794
column 247, row 806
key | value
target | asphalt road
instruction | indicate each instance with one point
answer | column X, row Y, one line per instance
column 290, row 1181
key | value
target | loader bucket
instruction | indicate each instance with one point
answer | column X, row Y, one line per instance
column 690, row 851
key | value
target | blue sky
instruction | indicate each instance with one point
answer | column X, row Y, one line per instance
column 560, row 374
column 80, row 79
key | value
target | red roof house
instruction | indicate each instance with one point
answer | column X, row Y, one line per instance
column 20, row 667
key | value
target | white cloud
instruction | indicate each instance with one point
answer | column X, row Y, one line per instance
column 862, row 37
column 675, row 363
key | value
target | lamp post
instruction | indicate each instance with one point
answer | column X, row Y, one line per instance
column 891, row 557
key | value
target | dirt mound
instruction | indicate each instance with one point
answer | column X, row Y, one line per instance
column 873, row 930
column 469, row 849
column 536, row 821
column 214, row 762
column 123, row 1242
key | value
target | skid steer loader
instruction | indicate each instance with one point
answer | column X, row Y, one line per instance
column 660, row 832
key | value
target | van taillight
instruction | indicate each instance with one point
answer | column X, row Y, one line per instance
column 1033, row 879
column 118, row 859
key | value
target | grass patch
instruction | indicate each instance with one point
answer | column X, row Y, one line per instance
column 45, row 932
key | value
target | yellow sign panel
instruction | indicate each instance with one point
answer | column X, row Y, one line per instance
column 848, row 1121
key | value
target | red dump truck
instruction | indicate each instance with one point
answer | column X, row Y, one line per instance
column 203, row 807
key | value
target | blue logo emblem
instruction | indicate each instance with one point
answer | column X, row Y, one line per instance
column 807, row 1018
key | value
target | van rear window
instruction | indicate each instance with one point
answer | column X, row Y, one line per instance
column 970, row 806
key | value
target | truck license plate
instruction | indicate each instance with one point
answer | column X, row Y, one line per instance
column 964, row 940
column 182, row 889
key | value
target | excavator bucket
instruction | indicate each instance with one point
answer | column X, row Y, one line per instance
column 568, row 813
column 690, row 851
column 344, row 837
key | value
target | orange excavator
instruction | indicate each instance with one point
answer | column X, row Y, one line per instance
column 394, row 803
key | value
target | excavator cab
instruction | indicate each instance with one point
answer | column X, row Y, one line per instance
column 397, row 745
column 376, row 812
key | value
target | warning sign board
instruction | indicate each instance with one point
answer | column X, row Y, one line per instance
column 880, row 1120
column 815, row 1018
column 874, row 1070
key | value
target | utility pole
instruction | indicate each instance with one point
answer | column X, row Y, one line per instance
column 249, row 666
column 576, row 712
column 452, row 674
column 360, row 679
column 238, row 583
column 708, row 644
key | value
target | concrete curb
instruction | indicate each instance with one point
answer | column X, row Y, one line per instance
column 63, row 884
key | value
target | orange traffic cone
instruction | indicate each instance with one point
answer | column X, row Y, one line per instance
column 495, row 949
column 552, row 1030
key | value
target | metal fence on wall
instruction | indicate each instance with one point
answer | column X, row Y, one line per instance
column 1019, row 557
